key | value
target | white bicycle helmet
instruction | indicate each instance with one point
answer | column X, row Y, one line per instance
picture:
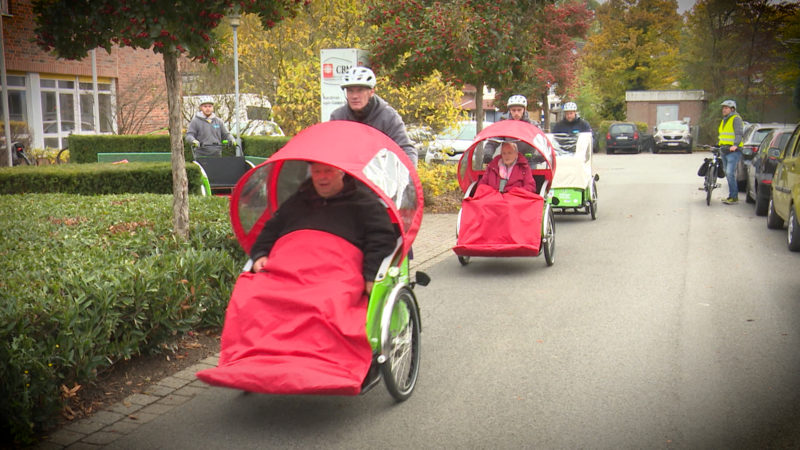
column 206, row 99
column 570, row 106
column 517, row 100
column 358, row 76
column 729, row 104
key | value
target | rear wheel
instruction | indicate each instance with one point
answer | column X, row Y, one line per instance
column 793, row 235
column 549, row 239
column 762, row 203
column 593, row 201
column 464, row 260
column 401, row 368
column 711, row 181
column 774, row 221
column 610, row 151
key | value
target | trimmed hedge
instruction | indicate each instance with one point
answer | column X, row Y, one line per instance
column 97, row 178
column 84, row 148
column 88, row 281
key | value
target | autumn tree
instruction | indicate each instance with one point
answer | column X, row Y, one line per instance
column 739, row 49
column 283, row 64
column 636, row 48
column 172, row 28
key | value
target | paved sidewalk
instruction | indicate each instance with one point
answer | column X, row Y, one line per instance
column 433, row 244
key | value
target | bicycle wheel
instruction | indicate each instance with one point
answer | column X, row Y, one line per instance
column 549, row 239
column 711, row 182
column 593, row 201
column 401, row 368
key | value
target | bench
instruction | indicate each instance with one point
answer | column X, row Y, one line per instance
column 134, row 157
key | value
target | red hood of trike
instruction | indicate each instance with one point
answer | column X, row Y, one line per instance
column 515, row 129
column 360, row 150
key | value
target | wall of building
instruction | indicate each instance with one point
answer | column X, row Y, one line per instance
column 128, row 67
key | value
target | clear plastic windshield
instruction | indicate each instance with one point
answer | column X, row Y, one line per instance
column 387, row 172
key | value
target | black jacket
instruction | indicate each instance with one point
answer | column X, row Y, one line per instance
column 354, row 214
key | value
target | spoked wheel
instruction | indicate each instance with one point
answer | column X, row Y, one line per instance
column 464, row 260
column 711, row 181
column 593, row 202
column 549, row 239
column 401, row 368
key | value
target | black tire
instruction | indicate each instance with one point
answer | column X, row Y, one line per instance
column 610, row 151
column 549, row 239
column 655, row 149
column 762, row 203
column 59, row 160
column 401, row 368
column 774, row 221
column 464, row 260
column 23, row 160
column 793, row 233
column 593, row 201
column 747, row 197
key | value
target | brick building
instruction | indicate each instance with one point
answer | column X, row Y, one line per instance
column 56, row 97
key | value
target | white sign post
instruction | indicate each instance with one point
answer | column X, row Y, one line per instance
column 334, row 63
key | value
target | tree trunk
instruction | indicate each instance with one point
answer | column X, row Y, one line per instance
column 479, row 107
column 180, row 185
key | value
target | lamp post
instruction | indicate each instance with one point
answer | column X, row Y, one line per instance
column 235, row 20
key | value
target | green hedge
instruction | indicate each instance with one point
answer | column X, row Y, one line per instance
column 84, row 148
column 97, row 178
column 88, row 281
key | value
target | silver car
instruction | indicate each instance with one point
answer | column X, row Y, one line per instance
column 673, row 135
column 754, row 134
column 452, row 143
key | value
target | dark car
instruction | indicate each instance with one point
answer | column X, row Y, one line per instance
column 623, row 136
column 761, row 168
column 754, row 133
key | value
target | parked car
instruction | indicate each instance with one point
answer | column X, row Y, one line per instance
column 761, row 168
column 673, row 135
column 623, row 136
column 784, row 203
column 754, row 134
column 452, row 143
column 423, row 139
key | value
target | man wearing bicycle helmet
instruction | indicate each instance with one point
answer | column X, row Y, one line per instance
column 364, row 106
column 206, row 132
column 517, row 110
column 571, row 123
column 731, row 131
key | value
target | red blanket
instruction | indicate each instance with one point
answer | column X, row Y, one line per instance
column 500, row 224
column 299, row 326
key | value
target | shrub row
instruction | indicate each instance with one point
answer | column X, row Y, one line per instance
column 88, row 281
column 97, row 178
column 84, row 148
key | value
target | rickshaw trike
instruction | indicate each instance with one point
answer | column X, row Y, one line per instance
column 574, row 185
column 305, row 325
column 512, row 223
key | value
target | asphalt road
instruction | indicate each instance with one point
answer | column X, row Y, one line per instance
column 665, row 323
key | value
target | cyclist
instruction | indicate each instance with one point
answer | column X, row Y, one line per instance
column 731, row 131
column 571, row 123
column 206, row 131
column 364, row 106
column 517, row 110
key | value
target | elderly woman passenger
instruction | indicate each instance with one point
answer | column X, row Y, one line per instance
column 508, row 170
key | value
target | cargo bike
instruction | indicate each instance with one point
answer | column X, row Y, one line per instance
column 513, row 223
column 575, row 184
column 300, row 327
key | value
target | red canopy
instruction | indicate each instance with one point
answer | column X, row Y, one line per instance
column 360, row 150
column 471, row 166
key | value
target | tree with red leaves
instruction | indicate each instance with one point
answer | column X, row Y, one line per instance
column 519, row 45
column 172, row 28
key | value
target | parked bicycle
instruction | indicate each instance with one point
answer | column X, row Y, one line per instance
column 18, row 155
column 711, row 169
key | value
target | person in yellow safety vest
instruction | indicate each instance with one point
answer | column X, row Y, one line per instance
column 731, row 130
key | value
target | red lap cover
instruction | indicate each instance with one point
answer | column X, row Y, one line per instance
column 500, row 224
column 299, row 326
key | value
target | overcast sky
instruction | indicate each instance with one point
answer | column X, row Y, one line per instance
column 683, row 5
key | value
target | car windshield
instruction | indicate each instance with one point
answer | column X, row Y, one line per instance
column 673, row 126
column 758, row 135
column 622, row 128
column 465, row 132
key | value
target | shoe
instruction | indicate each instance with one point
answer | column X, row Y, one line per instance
column 730, row 201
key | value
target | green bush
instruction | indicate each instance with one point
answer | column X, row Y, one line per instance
column 88, row 281
column 96, row 178
column 84, row 148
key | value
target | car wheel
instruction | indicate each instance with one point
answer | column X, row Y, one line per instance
column 774, row 222
column 610, row 151
column 655, row 149
column 762, row 203
column 793, row 235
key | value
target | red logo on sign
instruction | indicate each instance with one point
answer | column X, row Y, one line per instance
column 327, row 70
